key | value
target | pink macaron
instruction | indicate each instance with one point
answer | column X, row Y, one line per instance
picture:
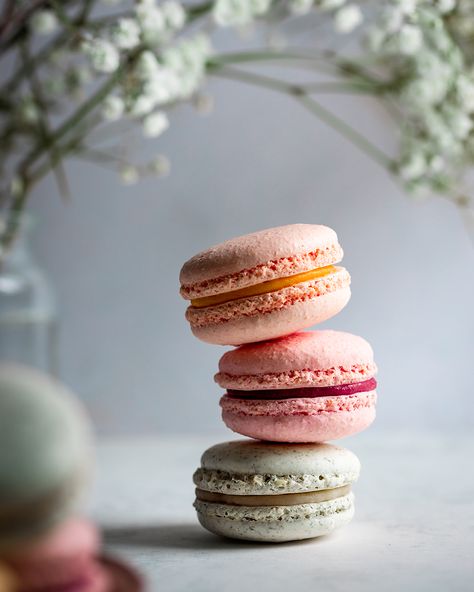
column 64, row 560
column 307, row 387
column 265, row 285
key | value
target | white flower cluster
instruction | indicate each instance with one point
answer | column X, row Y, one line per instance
column 157, row 81
column 461, row 24
column 103, row 55
column 173, row 76
column 130, row 174
column 346, row 16
column 44, row 22
column 163, row 73
column 125, row 33
column 159, row 22
column 227, row 13
column 433, row 86
column 152, row 26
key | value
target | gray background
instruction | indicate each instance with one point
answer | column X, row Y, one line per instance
column 114, row 255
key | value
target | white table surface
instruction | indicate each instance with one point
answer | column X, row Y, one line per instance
column 413, row 528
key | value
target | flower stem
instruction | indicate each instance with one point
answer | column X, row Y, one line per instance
column 46, row 145
column 347, row 131
column 76, row 117
column 299, row 93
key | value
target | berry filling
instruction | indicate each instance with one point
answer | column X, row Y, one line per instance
column 307, row 392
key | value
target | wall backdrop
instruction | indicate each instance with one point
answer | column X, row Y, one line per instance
column 114, row 255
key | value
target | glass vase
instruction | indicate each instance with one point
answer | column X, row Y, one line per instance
column 28, row 317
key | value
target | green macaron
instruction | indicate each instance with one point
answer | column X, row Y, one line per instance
column 45, row 453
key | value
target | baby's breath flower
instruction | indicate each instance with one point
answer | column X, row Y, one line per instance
column 125, row 33
column 202, row 45
column 441, row 135
column 160, row 166
column 436, row 163
column 374, row 39
column 147, row 64
column 44, row 22
column 428, row 88
column 407, row 6
column 155, row 124
column 238, row 12
column 17, row 186
column 152, row 22
column 141, row 105
column 174, row 14
column 232, row 12
column 413, row 167
column 158, row 83
column 113, row 108
column 391, row 19
column 28, row 111
column 103, row 55
column 347, row 18
column 301, row 6
column 330, row 4
column 129, row 174
column 445, row 6
column 458, row 121
column 409, row 39
column 465, row 92
column 187, row 62
column 259, row 7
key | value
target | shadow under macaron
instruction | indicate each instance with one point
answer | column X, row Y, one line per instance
column 185, row 536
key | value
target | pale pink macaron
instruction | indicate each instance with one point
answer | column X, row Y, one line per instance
column 265, row 285
column 307, row 387
column 64, row 559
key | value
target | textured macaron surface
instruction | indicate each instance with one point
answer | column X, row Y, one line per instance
column 245, row 467
column 269, row 302
column 304, row 359
column 258, row 257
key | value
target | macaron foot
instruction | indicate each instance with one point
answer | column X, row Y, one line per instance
column 301, row 428
column 244, row 328
column 276, row 524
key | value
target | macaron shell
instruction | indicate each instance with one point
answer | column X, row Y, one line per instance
column 283, row 321
column 66, row 554
column 299, row 420
column 250, row 457
column 308, row 350
column 45, row 453
column 276, row 524
column 250, row 250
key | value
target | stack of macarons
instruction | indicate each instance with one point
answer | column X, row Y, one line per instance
column 45, row 462
column 292, row 390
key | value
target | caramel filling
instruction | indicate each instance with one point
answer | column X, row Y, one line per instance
column 284, row 499
column 264, row 287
